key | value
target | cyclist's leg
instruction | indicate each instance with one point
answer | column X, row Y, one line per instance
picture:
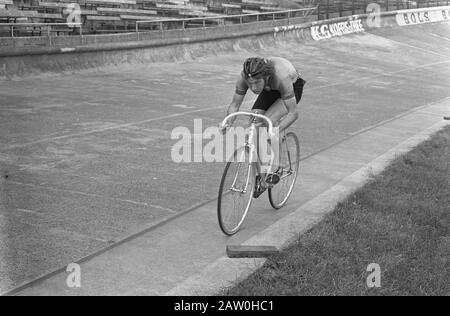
column 262, row 103
column 261, row 186
column 276, row 113
column 278, row 110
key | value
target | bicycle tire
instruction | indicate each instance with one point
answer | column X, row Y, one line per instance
column 292, row 173
column 222, row 211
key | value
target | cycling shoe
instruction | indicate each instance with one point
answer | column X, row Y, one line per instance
column 259, row 189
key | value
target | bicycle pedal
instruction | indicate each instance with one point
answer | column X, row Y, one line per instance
column 273, row 179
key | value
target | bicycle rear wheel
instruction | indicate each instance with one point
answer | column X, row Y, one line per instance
column 289, row 163
column 236, row 191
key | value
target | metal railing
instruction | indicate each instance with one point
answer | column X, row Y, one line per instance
column 243, row 18
column 47, row 27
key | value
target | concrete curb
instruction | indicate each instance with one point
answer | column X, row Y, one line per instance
column 225, row 271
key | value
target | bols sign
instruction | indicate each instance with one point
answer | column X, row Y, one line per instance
column 424, row 16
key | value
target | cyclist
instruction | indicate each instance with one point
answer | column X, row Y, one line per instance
column 279, row 88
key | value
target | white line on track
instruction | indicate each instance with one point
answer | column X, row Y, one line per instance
column 95, row 196
column 417, row 48
column 380, row 75
column 28, row 211
column 440, row 36
column 109, row 128
column 416, row 109
column 430, row 113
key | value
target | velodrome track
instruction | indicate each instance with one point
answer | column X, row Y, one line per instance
column 85, row 158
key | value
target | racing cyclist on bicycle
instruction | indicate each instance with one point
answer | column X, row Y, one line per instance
column 279, row 88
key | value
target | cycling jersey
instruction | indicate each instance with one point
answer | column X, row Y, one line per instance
column 284, row 83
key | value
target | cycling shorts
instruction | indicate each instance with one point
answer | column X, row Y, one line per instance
column 267, row 98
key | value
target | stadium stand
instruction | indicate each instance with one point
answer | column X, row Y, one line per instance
column 115, row 16
column 336, row 8
column 103, row 16
column 5, row 4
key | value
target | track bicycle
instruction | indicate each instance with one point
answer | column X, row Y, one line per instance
column 243, row 171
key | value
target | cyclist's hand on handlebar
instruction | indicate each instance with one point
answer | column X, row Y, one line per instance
column 231, row 121
column 223, row 128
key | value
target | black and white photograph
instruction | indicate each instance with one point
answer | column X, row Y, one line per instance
column 224, row 156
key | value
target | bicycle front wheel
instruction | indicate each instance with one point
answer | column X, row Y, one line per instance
column 289, row 163
column 236, row 191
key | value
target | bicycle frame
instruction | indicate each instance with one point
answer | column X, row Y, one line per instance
column 250, row 144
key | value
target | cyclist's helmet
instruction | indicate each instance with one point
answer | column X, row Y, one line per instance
column 256, row 67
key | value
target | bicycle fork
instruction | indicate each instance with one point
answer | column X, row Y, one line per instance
column 249, row 147
column 243, row 164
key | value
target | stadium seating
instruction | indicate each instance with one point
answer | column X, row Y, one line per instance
column 6, row 3
column 335, row 8
column 102, row 16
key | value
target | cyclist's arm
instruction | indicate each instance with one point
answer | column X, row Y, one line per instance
column 238, row 97
column 235, row 103
column 288, row 97
column 292, row 115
